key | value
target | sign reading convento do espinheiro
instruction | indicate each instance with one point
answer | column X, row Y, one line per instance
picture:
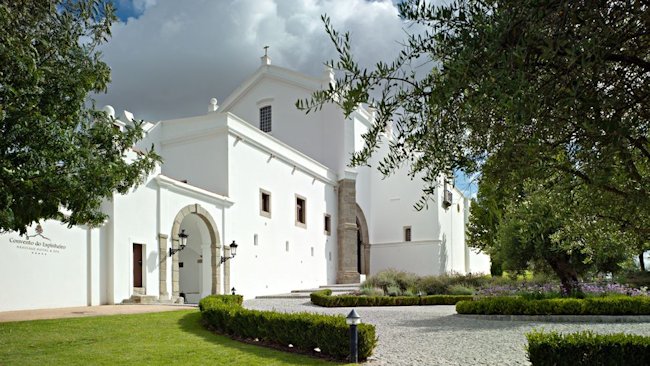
column 47, row 267
column 37, row 247
column 42, row 246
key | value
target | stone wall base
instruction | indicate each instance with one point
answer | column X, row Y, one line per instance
column 348, row 277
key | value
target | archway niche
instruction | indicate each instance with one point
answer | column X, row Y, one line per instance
column 202, row 222
column 363, row 243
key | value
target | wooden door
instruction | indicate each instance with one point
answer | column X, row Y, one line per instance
column 137, row 265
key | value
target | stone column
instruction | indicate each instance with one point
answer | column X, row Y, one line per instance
column 347, row 232
column 175, row 272
column 162, row 267
column 216, row 271
column 366, row 258
column 226, row 270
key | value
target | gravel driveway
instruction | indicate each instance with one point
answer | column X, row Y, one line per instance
column 435, row 335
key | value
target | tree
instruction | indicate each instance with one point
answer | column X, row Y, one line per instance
column 59, row 158
column 546, row 87
column 541, row 224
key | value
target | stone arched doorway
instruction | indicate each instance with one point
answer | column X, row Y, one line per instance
column 214, row 248
column 363, row 243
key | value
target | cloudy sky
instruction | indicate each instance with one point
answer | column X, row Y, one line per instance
column 169, row 57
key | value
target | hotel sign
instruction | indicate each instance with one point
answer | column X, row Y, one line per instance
column 42, row 246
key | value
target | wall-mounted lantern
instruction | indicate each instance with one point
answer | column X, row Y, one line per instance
column 182, row 237
column 233, row 252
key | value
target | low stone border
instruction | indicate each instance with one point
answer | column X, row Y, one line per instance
column 562, row 318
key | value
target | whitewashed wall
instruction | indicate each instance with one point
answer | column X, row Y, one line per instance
column 48, row 271
column 420, row 257
column 268, row 267
column 318, row 135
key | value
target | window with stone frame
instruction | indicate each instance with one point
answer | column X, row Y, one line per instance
column 328, row 224
column 265, row 203
column 301, row 211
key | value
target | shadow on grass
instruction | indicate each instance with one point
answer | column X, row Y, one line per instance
column 192, row 323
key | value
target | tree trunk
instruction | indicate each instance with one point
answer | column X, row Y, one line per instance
column 641, row 262
column 567, row 274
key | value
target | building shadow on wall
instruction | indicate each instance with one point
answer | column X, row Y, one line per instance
column 152, row 261
column 442, row 256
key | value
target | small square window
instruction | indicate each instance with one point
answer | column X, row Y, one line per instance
column 328, row 224
column 265, row 118
column 301, row 211
column 265, row 203
column 407, row 233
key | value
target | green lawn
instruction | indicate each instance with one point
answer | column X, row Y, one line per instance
column 171, row 338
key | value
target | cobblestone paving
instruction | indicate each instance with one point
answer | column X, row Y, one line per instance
column 435, row 335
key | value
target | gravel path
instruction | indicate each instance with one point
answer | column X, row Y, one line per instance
column 434, row 335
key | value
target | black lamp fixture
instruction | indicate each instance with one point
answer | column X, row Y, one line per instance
column 183, row 239
column 233, row 252
column 353, row 319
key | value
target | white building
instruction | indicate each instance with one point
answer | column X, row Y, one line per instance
column 256, row 171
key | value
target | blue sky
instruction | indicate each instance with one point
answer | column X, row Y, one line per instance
column 127, row 9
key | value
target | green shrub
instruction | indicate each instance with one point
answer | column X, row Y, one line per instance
column 220, row 299
column 382, row 280
column 324, row 298
column 371, row 291
column 587, row 348
column 409, row 292
column 635, row 279
column 460, row 290
column 393, row 290
column 305, row 331
column 515, row 305
column 433, row 285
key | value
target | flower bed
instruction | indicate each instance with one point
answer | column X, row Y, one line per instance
column 587, row 348
column 325, row 298
column 304, row 331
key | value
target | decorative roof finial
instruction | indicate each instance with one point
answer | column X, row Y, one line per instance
column 266, row 60
column 213, row 105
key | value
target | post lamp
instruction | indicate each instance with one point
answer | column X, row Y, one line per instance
column 182, row 237
column 233, row 251
column 353, row 319
column 233, row 291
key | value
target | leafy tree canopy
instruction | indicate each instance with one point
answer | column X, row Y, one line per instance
column 544, row 225
column 59, row 158
column 540, row 87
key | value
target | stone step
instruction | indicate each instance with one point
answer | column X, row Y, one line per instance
column 337, row 285
column 141, row 299
column 337, row 290
column 292, row 295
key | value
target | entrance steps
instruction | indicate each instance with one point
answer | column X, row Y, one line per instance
column 142, row 299
column 337, row 289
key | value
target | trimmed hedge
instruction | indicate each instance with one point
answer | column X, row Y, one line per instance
column 213, row 300
column 587, row 348
column 514, row 305
column 305, row 331
column 325, row 298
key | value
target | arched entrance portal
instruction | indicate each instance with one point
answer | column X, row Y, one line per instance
column 195, row 270
column 363, row 243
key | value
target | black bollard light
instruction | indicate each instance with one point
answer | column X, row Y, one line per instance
column 353, row 319
column 233, row 290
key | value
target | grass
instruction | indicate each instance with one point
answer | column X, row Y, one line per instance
column 171, row 338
